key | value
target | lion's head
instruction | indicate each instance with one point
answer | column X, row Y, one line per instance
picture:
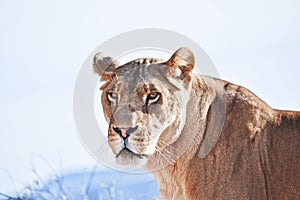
column 144, row 103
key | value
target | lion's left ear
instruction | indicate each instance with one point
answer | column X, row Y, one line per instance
column 182, row 59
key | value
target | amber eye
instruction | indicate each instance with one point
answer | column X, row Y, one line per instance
column 112, row 96
column 153, row 97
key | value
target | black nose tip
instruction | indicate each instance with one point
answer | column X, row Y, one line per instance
column 124, row 132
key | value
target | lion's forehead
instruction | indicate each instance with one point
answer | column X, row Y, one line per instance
column 138, row 81
column 140, row 68
column 138, row 90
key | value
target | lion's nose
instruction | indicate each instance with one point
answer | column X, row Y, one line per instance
column 125, row 132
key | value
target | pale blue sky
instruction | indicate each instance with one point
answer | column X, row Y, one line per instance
column 43, row 45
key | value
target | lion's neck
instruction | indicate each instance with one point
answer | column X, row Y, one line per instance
column 187, row 145
column 177, row 180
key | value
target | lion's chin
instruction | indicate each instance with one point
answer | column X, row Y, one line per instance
column 127, row 157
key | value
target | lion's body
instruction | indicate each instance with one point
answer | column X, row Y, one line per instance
column 256, row 157
column 202, row 138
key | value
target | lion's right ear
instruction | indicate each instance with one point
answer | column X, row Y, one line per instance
column 105, row 66
column 184, row 60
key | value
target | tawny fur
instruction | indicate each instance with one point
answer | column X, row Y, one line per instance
column 256, row 156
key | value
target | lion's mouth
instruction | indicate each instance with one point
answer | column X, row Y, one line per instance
column 125, row 150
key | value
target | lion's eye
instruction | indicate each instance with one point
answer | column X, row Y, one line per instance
column 153, row 97
column 112, row 96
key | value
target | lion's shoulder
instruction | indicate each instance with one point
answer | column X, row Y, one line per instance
column 245, row 109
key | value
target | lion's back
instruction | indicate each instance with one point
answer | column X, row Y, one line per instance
column 282, row 150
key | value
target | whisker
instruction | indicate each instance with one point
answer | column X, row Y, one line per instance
column 163, row 151
column 169, row 160
column 169, row 156
column 162, row 145
column 103, row 151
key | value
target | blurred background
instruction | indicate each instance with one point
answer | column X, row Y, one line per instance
column 44, row 43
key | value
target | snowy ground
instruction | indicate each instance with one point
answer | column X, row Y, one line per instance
column 92, row 184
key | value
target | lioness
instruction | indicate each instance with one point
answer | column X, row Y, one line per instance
column 157, row 109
